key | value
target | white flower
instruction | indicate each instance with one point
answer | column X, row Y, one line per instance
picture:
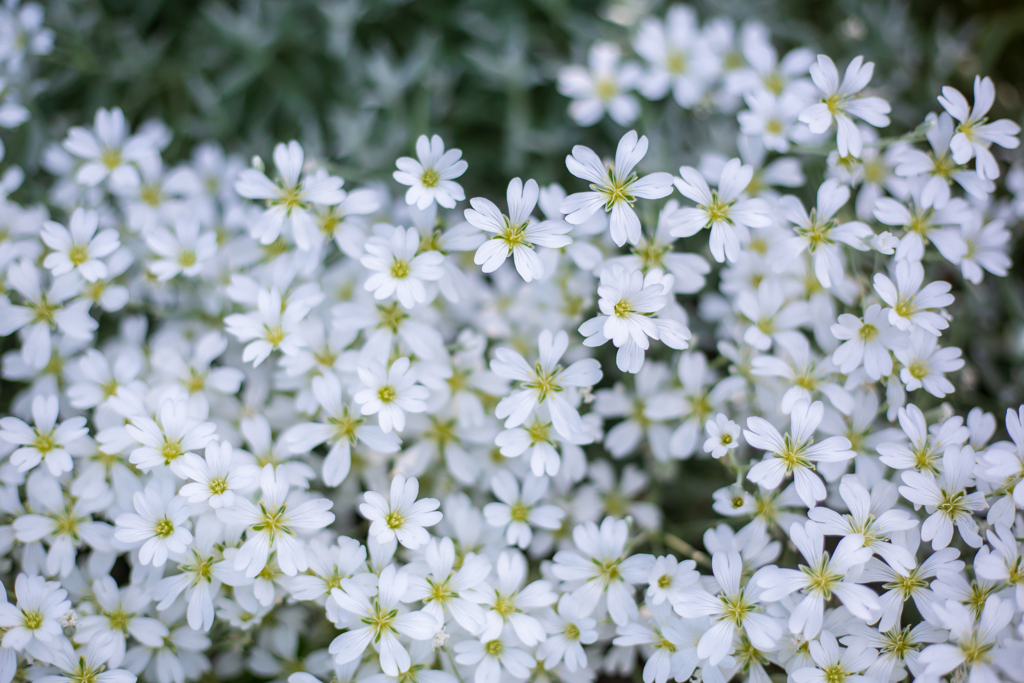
column 833, row 663
column 45, row 441
column 185, row 251
column 839, row 101
column 679, row 59
column 866, row 341
column 601, row 567
column 820, row 234
column 615, row 188
column 909, row 302
column 274, row 325
column 734, row 608
column 822, row 577
column 403, row 517
column 603, row 85
column 107, row 150
column 341, row 428
column 723, row 436
column 159, row 526
column 516, row 513
column 78, row 248
column 398, row 270
column 390, row 392
column 383, row 622
column 33, row 624
column 122, row 615
column 289, row 200
column 271, row 525
column 568, row 631
column 795, row 453
column 670, row 579
column 986, row 249
column 925, row 364
column 974, row 135
column 723, row 210
column 216, row 477
column 494, row 655
column 163, row 441
column 974, row 642
column 516, row 234
column 544, row 384
column 92, row 664
column 946, row 499
column 431, row 178
column 508, row 600
column 628, row 302
column 445, row 590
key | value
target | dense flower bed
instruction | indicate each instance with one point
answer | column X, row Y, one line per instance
column 265, row 421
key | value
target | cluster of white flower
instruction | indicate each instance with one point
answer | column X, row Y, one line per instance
column 268, row 423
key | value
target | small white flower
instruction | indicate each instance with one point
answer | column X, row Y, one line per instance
column 723, row 210
column 723, row 436
column 397, row 269
column 107, row 149
column 389, row 393
column 516, row 234
column 45, row 441
column 431, row 177
column 866, row 341
column 78, row 248
column 615, row 188
column 159, row 526
column 289, row 200
column 516, row 513
column 403, row 517
column 840, row 101
column 183, row 251
column 272, row 524
column 974, row 135
column 216, row 477
column 946, row 498
column 34, row 623
column 909, row 303
column 602, row 86
column 925, row 364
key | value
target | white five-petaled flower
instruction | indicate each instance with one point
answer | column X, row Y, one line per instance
column 544, row 384
column 184, row 251
column 33, row 623
column 866, row 341
column 107, row 150
column 615, row 188
column 390, row 393
column 820, row 234
column 398, row 270
column 516, row 234
column 159, row 525
column 77, row 247
column 381, row 622
column 946, row 498
column 974, row 135
column 723, row 210
column 628, row 303
column 839, row 101
column 216, row 477
column 45, row 441
column 403, row 517
column 274, row 325
column 517, row 513
column 723, row 436
column 601, row 565
column 734, row 607
column 431, row 177
column 820, row 579
column 909, row 303
column 603, row 85
column 271, row 524
column 289, row 200
column 796, row 452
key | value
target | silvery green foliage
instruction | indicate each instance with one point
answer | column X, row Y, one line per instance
column 293, row 419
